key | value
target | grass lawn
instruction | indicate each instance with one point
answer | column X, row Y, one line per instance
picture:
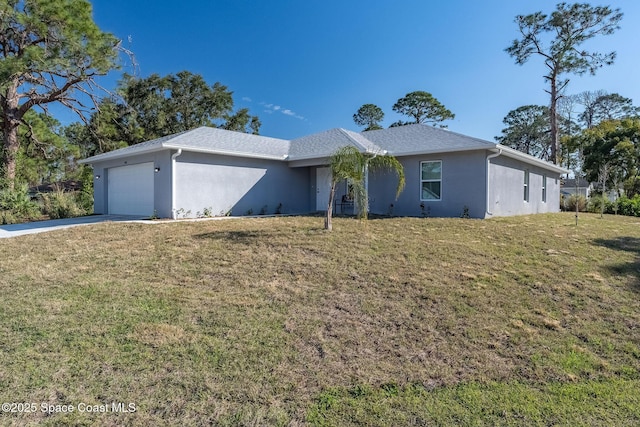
column 272, row 321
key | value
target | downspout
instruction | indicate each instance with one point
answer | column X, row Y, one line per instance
column 489, row 157
column 173, row 182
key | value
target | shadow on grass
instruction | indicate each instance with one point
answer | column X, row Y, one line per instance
column 252, row 236
column 626, row 244
column 238, row 236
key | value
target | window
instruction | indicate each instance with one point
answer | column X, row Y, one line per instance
column 431, row 180
column 544, row 188
column 526, row 186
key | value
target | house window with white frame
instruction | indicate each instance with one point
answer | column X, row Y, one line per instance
column 544, row 189
column 431, row 180
column 526, row 185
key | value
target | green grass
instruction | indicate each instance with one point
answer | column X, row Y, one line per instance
column 272, row 321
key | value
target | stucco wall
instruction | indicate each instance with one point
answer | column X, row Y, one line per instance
column 162, row 181
column 506, row 195
column 238, row 185
column 463, row 184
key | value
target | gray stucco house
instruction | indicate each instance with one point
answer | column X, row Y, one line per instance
column 218, row 172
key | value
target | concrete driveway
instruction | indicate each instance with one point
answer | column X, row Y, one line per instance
column 14, row 230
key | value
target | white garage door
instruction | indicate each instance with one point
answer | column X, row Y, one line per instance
column 130, row 189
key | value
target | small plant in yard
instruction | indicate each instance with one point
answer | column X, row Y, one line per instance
column 279, row 209
column 425, row 211
column 465, row 212
column 184, row 213
column 576, row 201
column 263, row 210
column 249, row 212
column 390, row 210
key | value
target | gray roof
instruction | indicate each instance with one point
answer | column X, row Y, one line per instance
column 324, row 144
column 571, row 183
column 207, row 140
column 422, row 139
column 398, row 141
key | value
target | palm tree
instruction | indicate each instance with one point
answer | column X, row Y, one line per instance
column 348, row 163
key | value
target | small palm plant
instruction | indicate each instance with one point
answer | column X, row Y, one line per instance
column 348, row 163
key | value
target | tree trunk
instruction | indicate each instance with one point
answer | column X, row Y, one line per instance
column 327, row 220
column 554, row 120
column 10, row 123
column 11, row 146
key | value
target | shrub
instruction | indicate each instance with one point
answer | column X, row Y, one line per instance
column 84, row 197
column 632, row 187
column 16, row 205
column 7, row 217
column 571, row 201
column 595, row 204
column 59, row 204
column 629, row 207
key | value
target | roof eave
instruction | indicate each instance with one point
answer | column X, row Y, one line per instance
column 114, row 155
column 227, row 152
column 439, row 151
column 515, row 154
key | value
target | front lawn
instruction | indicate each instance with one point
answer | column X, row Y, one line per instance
column 272, row 321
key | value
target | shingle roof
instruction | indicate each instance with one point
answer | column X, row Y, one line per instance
column 207, row 139
column 398, row 141
column 571, row 183
column 324, row 144
column 419, row 138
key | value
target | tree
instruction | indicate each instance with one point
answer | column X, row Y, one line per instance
column 527, row 131
column 176, row 103
column 241, row 121
column 369, row 115
column 50, row 51
column 616, row 144
column 613, row 107
column 588, row 99
column 110, row 127
column 348, row 163
column 45, row 156
column 570, row 27
column 422, row 107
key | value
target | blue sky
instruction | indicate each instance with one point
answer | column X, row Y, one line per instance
column 305, row 66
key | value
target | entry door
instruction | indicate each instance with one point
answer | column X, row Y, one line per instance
column 323, row 188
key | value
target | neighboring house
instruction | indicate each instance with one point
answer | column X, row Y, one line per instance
column 580, row 186
column 219, row 172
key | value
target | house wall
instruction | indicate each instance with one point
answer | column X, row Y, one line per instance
column 506, row 196
column 238, row 185
column 463, row 184
column 162, row 181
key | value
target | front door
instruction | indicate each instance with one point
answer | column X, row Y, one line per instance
column 323, row 188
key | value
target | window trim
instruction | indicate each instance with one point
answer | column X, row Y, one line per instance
column 527, row 181
column 430, row 180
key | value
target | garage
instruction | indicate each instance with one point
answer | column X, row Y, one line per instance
column 130, row 189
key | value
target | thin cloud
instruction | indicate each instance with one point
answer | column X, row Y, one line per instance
column 246, row 99
column 271, row 108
